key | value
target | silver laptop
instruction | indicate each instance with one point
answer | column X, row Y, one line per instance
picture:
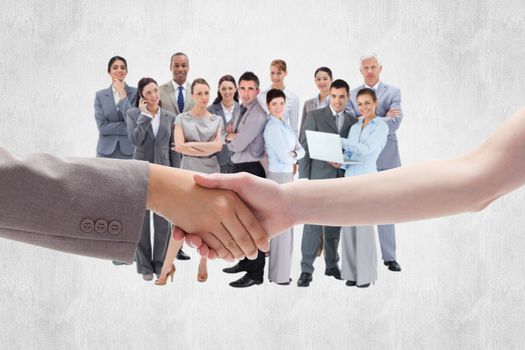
column 326, row 146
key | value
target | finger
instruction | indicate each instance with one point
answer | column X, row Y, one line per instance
column 215, row 244
column 204, row 251
column 253, row 227
column 236, row 239
column 177, row 233
column 193, row 241
column 212, row 254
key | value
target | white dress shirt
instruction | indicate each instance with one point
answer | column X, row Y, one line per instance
column 155, row 122
column 176, row 88
column 228, row 113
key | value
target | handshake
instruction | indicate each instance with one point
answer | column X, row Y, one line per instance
column 226, row 216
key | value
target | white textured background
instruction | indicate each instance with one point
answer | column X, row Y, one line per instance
column 460, row 67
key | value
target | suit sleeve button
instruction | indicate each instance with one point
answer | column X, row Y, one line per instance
column 87, row 225
column 101, row 225
column 115, row 227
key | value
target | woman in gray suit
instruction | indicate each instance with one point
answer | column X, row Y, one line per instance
column 323, row 78
column 225, row 105
column 150, row 129
column 111, row 106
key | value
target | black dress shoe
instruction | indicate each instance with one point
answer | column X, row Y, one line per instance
column 234, row 269
column 118, row 263
column 350, row 283
column 363, row 285
column 304, row 280
column 182, row 256
column 393, row 265
column 244, row 282
column 333, row 271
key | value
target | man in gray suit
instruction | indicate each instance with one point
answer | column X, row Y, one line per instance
column 332, row 119
column 245, row 140
column 176, row 98
column 389, row 108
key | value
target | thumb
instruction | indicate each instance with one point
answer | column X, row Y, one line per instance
column 222, row 181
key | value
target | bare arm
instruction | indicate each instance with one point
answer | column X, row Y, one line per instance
column 427, row 190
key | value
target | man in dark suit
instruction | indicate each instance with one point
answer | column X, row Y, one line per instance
column 331, row 119
column 389, row 109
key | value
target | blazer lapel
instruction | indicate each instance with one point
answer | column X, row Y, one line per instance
column 330, row 120
column 381, row 90
column 110, row 102
column 346, row 122
column 173, row 97
column 161, row 134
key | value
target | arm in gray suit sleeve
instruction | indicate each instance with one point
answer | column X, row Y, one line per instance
column 175, row 158
column 105, row 127
column 350, row 108
column 305, row 163
column 92, row 207
column 394, row 122
column 138, row 125
column 244, row 138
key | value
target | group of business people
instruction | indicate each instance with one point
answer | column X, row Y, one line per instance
column 173, row 125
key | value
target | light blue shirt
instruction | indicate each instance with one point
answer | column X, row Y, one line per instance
column 364, row 145
column 280, row 141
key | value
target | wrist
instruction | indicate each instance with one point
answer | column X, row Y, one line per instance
column 287, row 197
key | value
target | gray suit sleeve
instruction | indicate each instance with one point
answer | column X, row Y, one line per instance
column 305, row 163
column 93, row 207
column 138, row 125
column 394, row 122
column 257, row 123
column 104, row 126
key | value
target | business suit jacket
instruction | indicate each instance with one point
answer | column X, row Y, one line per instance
column 111, row 121
column 224, row 156
column 322, row 120
column 168, row 96
column 148, row 147
column 387, row 97
column 309, row 105
column 93, row 207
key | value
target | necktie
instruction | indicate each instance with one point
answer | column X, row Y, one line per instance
column 180, row 100
column 243, row 110
column 338, row 120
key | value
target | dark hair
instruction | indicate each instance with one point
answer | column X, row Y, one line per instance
column 140, row 87
column 324, row 69
column 117, row 58
column 249, row 76
column 367, row 91
column 279, row 64
column 339, row 84
column 178, row 54
column 224, row 78
column 274, row 93
column 198, row 81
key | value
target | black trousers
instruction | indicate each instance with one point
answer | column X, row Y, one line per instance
column 254, row 268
